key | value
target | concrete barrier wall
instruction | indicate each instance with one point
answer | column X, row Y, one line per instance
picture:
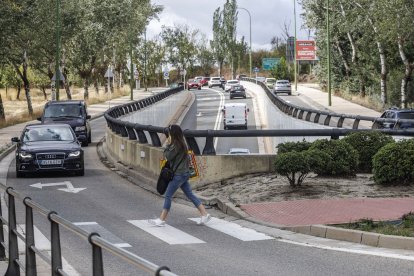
column 146, row 158
column 212, row 169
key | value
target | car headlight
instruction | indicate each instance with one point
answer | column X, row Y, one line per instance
column 25, row 155
column 80, row 128
column 75, row 153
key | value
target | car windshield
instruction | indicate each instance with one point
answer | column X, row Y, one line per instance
column 48, row 133
column 407, row 115
column 282, row 82
column 63, row 110
column 232, row 82
column 215, row 79
column 271, row 80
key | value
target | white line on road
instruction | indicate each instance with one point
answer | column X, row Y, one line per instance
column 219, row 114
column 167, row 233
column 235, row 230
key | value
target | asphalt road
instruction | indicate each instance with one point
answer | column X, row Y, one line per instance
column 114, row 207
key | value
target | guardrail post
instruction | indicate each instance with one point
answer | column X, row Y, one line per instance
column 30, row 241
column 356, row 123
column 192, row 144
column 308, row 116
column 155, row 139
column 316, row 119
column 327, row 120
column 55, row 243
column 2, row 247
column 13, row 268
column 341, row 121
column 131, row 133
column 301, row 114
column 209, row 146
column 97, row 261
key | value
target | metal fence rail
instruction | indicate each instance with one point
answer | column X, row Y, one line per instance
column 135, row 131
column 55, row 261
column 304, row 113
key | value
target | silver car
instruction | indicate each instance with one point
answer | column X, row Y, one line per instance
column 282, row 86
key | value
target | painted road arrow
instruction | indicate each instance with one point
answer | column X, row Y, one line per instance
column 69, row 187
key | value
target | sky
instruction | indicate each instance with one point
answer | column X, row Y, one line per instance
column 268, row 18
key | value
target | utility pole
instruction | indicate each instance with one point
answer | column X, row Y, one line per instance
column 145, row 60
column 57, row 71
column 328, row 48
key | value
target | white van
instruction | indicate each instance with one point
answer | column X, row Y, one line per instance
column 235, row 115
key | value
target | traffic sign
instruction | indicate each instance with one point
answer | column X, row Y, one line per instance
column 269, row 63
column 255, row 69
column 166, row 75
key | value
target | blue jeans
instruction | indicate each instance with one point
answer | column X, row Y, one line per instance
column 180, row 181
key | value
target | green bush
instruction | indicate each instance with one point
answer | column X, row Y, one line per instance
column 367, row 144
column 343, row 158
column 293, row 146
column 394, row 164
column 293, row 165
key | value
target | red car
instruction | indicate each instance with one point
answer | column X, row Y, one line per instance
column 191, row 83
column 204, row 81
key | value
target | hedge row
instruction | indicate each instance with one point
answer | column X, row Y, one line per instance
column 365, row 152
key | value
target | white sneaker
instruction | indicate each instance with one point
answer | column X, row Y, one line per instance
column 204, row 219
column 157, row 222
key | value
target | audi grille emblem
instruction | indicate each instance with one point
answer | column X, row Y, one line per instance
column 50, row 156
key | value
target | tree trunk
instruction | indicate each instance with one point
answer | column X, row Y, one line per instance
column 26, row 84
column 344, row 61
column 19, row 89
column 96, row 85
column 2, row 114
column 384, row 73
column 407, row 72
column 362, row 86
column 85, row 89
column 43, row 88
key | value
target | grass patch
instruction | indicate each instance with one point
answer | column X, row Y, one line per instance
column 403, row 227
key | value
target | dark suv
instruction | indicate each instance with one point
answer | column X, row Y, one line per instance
column 392, row 119
column 73, row 113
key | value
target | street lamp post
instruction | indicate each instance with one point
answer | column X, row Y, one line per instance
column 250, row 50
column 296, row 62
column 328, row 48
column 57, row 71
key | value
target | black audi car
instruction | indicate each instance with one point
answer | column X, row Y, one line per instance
column 48, row 147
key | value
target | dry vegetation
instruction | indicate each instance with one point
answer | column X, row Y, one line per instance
column 17, row 111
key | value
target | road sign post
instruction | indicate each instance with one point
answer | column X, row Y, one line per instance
column 166, row 75
column 256, row 70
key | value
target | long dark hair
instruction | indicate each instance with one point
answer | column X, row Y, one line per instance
column 177, row 137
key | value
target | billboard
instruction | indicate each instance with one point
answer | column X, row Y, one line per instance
column 269, row 63
column 305, row 50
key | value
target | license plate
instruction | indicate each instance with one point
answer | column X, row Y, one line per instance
column 51, row 162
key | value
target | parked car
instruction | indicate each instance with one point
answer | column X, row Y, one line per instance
column 73, row 113
column 270, row 82
column 239, row 151
column 237, row 91
column 239, row 77
column 395, row 114
column 282, row 86
column 176, row 84
column 48, row 147
column 204, row 81
column 229, row 83
column 193, row 84
column 214, row 81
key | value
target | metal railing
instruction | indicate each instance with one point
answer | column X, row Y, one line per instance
column 55, row 260
column 135, row 131
column 305, row 113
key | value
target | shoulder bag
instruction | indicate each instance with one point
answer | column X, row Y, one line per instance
column 166, row 175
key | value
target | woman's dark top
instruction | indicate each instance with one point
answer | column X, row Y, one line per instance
column 175, row 157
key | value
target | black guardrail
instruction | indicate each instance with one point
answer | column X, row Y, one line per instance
column 15, row 265
column 305, row 113
column 135, row 131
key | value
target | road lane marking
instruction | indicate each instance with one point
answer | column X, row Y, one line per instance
column 167, row 233
column 219, row 114
column 258, row 122
column 69, row 187
column 92, row 226
column 235, row 230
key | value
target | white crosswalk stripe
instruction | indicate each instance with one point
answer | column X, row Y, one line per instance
column 235, row 230
column 167, row 233
column 92, row 226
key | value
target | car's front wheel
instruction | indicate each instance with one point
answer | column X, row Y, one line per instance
column 20, row 174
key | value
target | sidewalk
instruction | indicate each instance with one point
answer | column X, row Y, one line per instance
column 299, row 213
